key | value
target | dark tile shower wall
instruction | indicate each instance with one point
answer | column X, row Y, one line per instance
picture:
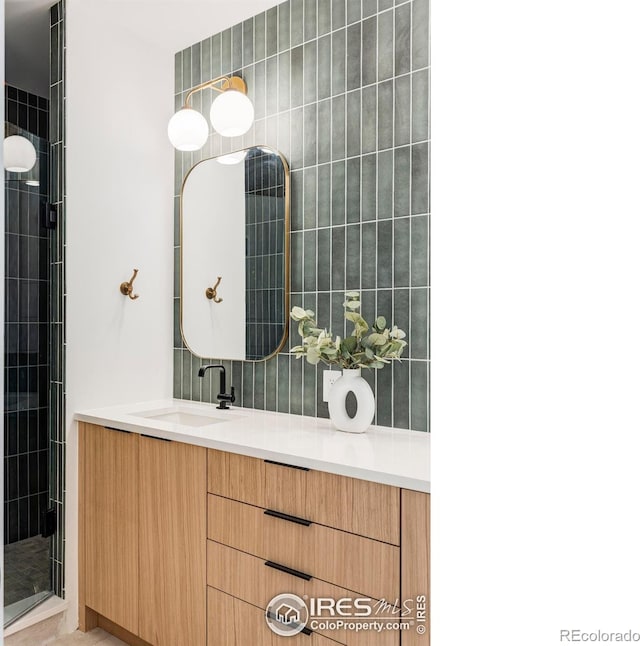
column 26, row 327
column 57, row 301
column 341, row 89
column 27, row 111
column 265, row 266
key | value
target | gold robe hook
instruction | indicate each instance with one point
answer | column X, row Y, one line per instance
column 212, row 292
column 127, row 288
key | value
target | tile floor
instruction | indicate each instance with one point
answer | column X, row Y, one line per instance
column 43, row 635
column 97, row 636
column 26, row 568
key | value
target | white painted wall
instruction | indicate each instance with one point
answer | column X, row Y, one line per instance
column 213, row 236
column 120, row 86
column 119, row 216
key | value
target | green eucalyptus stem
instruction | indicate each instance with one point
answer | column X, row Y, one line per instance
column 366, row 347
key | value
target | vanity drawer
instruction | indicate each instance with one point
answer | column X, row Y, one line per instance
column 249, row 578
column 358, row 506
column 232, row 622
column 369, row 567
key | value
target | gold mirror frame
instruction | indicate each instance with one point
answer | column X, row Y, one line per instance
column 286, row 247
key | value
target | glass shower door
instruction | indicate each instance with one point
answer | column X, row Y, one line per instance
column 27, row 563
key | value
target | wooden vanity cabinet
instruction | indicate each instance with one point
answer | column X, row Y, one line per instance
column 142, row 537
column 185, row 546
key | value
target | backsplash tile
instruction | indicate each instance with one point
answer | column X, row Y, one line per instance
column 324, row 17
column 341, row 89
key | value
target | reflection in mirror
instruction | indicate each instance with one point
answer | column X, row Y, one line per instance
column 235, row 255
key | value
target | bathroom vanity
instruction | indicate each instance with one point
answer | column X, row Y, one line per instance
column 193, row 519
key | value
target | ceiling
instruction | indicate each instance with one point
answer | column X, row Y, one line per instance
column 169, row 25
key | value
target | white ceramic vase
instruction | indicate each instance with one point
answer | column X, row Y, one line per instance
column 351, row 381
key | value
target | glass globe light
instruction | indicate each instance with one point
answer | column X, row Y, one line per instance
column 19, row 154
column 188, row 130
column 232, row 113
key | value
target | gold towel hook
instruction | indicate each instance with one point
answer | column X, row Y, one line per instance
column 212, row 292
column 127, row 288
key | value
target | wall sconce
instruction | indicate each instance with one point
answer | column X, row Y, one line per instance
column 19, row 154
column 231, row 114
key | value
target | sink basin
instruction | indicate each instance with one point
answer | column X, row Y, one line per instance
column 183, row 417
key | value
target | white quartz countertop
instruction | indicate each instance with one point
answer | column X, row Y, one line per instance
column 381, row 454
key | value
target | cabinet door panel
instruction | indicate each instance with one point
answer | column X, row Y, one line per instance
column 414, row 552
column 110, row 522
column 173, row 483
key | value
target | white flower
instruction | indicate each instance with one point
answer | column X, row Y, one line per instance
column 397, row 333
column 298, row 314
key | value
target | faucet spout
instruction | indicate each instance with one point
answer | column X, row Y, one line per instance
column 223, row 397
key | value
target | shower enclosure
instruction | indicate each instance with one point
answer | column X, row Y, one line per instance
column 27, row 455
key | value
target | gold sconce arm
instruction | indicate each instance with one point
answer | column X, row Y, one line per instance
column 225, row 83
column 126, row 289
column 212, row 292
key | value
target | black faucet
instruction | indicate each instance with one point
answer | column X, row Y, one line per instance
column 224, row 398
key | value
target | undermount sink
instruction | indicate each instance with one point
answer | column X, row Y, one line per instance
column 183, row 417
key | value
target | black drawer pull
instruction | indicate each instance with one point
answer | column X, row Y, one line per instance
column 305, row 631
column 153, row 437
column 291, row 519
column 282, row 464
column 288, row 570
column 119, row 430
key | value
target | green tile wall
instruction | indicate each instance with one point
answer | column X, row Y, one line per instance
column 341, row 89
column 57, row 197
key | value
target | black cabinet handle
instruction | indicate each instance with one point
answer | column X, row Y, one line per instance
column 305, row 631
column 153, row 437
column 282, row 464
column 119, row 430
column 288, row 570
column 291, row 519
